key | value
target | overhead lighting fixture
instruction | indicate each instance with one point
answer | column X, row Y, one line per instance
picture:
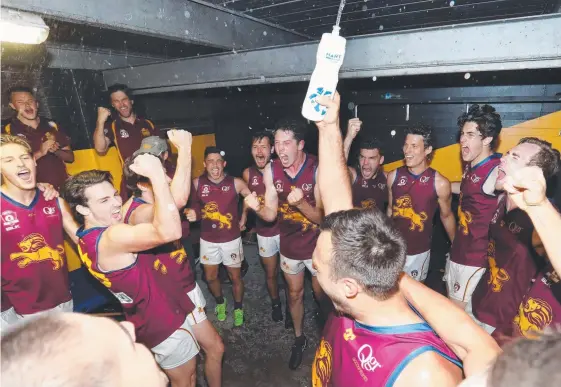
column 22, row 27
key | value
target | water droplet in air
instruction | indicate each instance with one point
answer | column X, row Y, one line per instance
column 374, row 78
column 381, row 28
column 452, row 3
column 392, row 133
column 262, row 77
column 264, row 33
column 467, row 76
column 187, row 14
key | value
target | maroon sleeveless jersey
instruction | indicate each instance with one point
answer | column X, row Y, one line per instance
column 264, row 229
column 414, row 204
column 358, row 355
column 219, row 209
column 370, row 193
column 34, row 269
column 172, row 255
column 474, row 213
column 155, row 304
column 510, row 268
column 539, row 309
column 298, row 235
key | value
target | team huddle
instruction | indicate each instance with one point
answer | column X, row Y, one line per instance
column 355, row 229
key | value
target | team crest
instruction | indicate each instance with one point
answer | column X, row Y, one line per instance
column 364, row 184
column 10, row 220
column 279, row 186
column 402, row 181
column 205, row 190
column 34, row 249
column 296, row 216
column 255, row 181
column 414, row 273
column 497, row 276
column 123, row 133
column 456, row 287
column 234, row 256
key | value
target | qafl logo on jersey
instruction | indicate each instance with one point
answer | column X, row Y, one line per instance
column 381, row 186
column 424, row 179
column 205, row 190
column 514, row 228
column 366, row 358
column 123, row 133
column 49, row 211
column 225, row 188
column 402, row 181
column 475, row 179
column 10, row 220
column 279, row 186
column 255, row 181
column 306, row 187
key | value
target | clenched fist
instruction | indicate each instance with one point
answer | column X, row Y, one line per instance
column 180, row 138
column 354, row 126
column 252, row 201
column 190, row 214
column 295, row 197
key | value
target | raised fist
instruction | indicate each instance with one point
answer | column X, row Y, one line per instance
column 295, row 197
column 180, row 138
column 354, row 126
column 252, row 201
column 147, row 165
column 103, row 114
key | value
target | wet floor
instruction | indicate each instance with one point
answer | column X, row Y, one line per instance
column 257, row 353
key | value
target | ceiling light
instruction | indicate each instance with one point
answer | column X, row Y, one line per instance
column 22, row 27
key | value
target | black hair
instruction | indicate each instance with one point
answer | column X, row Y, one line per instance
column 488, row 121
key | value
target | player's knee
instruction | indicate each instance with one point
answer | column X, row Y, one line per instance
column 216, row 351
column 211, row 275
column 296, row 294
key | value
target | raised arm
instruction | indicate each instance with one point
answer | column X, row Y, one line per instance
column 333, row 175
column 164, row 228
column 68, row 223
column 181, row 183
column 527, row 188
column 353, row 127
column 267, row 210
column 444, row 193
column 391, row 179
column 470, row 343
column 101, row 142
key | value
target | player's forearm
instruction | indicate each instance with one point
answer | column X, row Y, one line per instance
column 166, row 216
column 333, row 175
column 267, row 214
column 472, row 344
column 449, row 223
column 347, row 147
column 66, row 155
column 181, row 183
column 547, row 222
column 100, row 141
column 313, row 214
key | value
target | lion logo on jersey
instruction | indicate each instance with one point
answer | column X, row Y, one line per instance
column 296, row 216
column 368, row 203
column 323, row 365
column 88, row 262
column 35, row 249
column 533, row 317
column 160, row 267
column 210, row 212
column 178, row 255
column 465, row 218
column 404, row 209
column 498, row 276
